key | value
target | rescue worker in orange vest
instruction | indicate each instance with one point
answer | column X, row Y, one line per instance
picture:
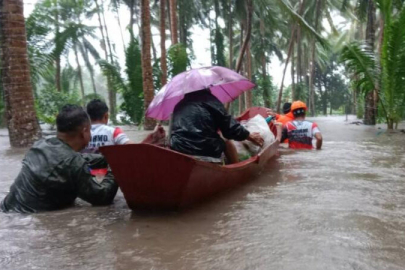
column 283, row 118
column 299, row 131
column 288, row 115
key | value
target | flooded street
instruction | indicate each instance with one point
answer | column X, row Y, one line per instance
column 339, row 208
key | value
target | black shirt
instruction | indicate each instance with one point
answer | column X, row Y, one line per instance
column 196, row 122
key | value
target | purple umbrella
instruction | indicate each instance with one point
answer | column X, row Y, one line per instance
column 224, row 83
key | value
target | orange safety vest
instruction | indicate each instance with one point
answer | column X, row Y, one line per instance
column 284, row 119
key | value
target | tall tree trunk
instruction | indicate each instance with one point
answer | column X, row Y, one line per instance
column 57, row 59
column 266, row 94
column 242, row 96
column 248, row 94
column 111, row 93
column 148, row 90
column 369, row 102
column 292, row 74
column 131, row 18
column 116, row 7
column 290, row 46
column 163, row 61
column 22, row 122
column 154, row 54
column 104, row 43
column 354, row 111
column 324, row 94
column 313, row 53
column 249, row 8
column 85, row 53
column 230, row 37
column 299, row 57
column 79, row 72
column 173, row 21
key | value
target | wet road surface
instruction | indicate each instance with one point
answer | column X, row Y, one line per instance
column 339, row 208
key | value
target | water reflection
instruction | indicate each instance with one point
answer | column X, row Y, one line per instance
column 339, row 208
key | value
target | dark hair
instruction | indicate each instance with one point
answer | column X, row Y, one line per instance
column 96, row 109
column 71, row 118
column 299, row 112
column 287, row 107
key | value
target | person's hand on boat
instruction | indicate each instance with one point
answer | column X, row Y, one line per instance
column 256, row 138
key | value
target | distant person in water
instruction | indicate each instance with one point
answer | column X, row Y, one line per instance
column 54, row 173
column 197, row 120
column 283, row 118
column 101, row 133
column 299, row 131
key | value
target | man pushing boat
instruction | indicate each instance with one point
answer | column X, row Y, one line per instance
column 54, row 173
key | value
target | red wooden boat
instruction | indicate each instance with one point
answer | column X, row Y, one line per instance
column 153, row 177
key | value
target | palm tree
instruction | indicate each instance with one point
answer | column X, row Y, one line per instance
column 390, row 74
column 22, row 120
column 173, row 21
column 370, row 109
column 148, row 90
column 163, row 61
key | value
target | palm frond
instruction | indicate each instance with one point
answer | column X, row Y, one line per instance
column 112, row 72
column 286, row 6
column 360, row 60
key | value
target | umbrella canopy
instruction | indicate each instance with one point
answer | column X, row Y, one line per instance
column 224, row 83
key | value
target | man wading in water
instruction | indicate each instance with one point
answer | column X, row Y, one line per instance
column 54, row 174
column 300, row 132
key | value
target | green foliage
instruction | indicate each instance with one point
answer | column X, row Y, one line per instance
column 301, row 91
column 177, row 59
column 157, row 75
column 390, row 79
column 219, row 55
column 92, row 96
column 265, row 93
column 360, row 60
column 133, row 93
column 51, row 101
column 112, row 73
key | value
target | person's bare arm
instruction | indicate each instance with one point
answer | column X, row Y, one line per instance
column 256, row 138
column 318, row 137
column 279, row 128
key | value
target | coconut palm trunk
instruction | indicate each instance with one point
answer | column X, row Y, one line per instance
column 173, row 21
column 249, row 8
column 79, row 72
column 111, row 93
column 369, row 102
column 163, row 61
column 313, row 60
column 230, row 37
column 290, row 47
column 22, row 122
column 248, row 94
column 57, row 58
column 148, row 90
column 292, row 72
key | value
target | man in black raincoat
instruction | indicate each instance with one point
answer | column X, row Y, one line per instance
column 196, row 122
column 54, row 173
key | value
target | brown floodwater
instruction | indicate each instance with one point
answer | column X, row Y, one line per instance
column 339, row 208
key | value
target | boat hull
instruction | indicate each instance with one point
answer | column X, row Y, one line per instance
column 153, row 177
